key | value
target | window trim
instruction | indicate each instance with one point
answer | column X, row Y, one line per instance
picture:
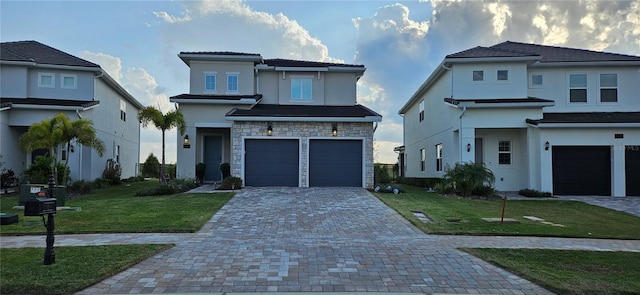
column 237, row 76
column 301, row 78
column 497, row 75
column 484, row 80
column 531, row 85
column 510, row 152
column 600, row 88
column 421, row 109
column 439, row 166
column 53, row 80
column 569, row 88
column 75, row 81
column 423, row 159
column 123, row 110
column 215, row 82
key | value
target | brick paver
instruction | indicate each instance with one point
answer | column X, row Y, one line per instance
column 315, row 239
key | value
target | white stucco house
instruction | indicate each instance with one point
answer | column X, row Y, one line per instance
column 554, row 119
column 277, row 122
column 38, row 82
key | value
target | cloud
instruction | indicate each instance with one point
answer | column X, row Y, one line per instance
column 112, row 65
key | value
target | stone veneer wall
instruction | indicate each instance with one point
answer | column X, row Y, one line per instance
column 303, row 131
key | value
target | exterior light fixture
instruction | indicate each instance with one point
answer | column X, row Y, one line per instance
column 187, row 142
column 468, row 147
column 269, row 129
column 546, row 146
column 334, row 129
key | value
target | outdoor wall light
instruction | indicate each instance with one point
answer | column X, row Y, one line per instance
column 269, row 129
column 334, row 129
column 187, row 142
column 546, row 146
column 468, row 147
column 71, row 148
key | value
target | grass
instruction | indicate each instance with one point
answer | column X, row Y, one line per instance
column 580, row 220
column 76, row 268
column 570, row 272
column 116, row 210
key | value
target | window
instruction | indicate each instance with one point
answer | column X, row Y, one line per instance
column 536, row 80
column 578, row 88
column 423, row 159
column 123, row 110
column 68, row 81
column 502, row 75
column 478, row 75
column 117, row 155
column 301, row 88
column 232, row 82
column 209, row 82
column 47, row 80
column 421, row 115
column 608, row 87
column 439, row 157
column 504, row 152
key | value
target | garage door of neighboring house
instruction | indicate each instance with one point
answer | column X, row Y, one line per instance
column 335, row 163
column 581, row 170
column 632, row 170
column 271, row 162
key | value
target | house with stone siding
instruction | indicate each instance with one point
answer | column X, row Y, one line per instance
column 277, row 122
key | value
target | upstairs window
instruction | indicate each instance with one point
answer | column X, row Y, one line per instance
column 123, row 110
column 439, row 157
column 423, row 159
column 68, row 81
column 421, row 115
column 301, row 88
column 46, row 80
column 209, row 82
column 608, row 87
column 578, row 88
column 536, row 80
column 504, row 152
column 117, row 154
column 232, row 82
column 502, row 75
column 478, row 76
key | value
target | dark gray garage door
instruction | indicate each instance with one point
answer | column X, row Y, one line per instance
column 632, row 169
column 581, row 170
column 271, row 162
column 335, row 163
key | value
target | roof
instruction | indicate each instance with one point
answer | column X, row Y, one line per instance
column 215, row 97
column 9, row 102
column 590, row 117
column 305, row 111
column 33, row 51
column 279, row 62
column 546, row 54
column 232, row 53
column 500, row 102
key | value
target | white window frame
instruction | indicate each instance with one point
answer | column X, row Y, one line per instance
column 532, row 85
column 215, row 82
column 600, row 88
column 473, row 76
column 117, row 154
column 75, row 81
column 421, row 109
column 237, row 76
column 586, row 88
column 302, row 90
column 498, row 70
column 439, row 164
column 123, row 110
column 53, row 80
column 423, row 159
column 509, row 152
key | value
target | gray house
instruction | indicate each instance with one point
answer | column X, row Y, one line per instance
column 277, row 122
column 38, row 82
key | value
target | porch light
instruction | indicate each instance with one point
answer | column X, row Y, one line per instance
column 71, row 148
column 187, row 142
column 546, row 146
column 334, row 129
column 468, row 147
column 269, row 129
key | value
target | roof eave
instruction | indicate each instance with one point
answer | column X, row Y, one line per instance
column 474, row 105
column 244, row 101
column 529, row 59
column 585, row 125
column 33, row 64
column 187, row 57
column 116, row 86
column 586, row 64
column 365, row 119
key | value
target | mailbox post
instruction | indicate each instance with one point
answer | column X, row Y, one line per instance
column 41, row 207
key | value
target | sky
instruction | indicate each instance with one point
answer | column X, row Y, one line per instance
column 399, row 42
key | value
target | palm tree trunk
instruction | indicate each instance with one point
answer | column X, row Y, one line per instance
column 163, row 180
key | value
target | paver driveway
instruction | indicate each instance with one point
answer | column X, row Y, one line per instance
column 312, row 239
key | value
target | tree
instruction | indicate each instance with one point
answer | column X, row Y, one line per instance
column 151, row 166
column 83, row 133
column 164, row 122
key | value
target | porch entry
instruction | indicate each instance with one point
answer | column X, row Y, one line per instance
column 212, row 158
column 479, row 152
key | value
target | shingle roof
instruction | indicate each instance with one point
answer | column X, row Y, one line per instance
column 319, row 111
column 216, row 97
column 49, row 102
column 33, row 51
column 221, row 53
column 591, row 117
column 547, row 54
column 279, row 62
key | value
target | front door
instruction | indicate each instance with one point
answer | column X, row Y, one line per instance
column 212, row 158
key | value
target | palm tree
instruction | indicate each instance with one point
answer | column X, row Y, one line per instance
column 82, row 132
column 163, row 122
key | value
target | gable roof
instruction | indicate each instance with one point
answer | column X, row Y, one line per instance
column 33, row 51
column 273, row 112
column 280, row 62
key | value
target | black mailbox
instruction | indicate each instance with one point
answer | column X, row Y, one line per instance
column 40, row 206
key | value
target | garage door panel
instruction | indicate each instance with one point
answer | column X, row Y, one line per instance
column 581, row 170
column 632, row 170
column 335, row 163
column 271, row 162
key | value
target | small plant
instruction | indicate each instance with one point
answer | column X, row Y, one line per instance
column 7, row 179
column 380, row 174
column 225, row 168
column 230, row 183
column 81, row 187
column 469, row 177
column 112, row 172
column 151, row 166
column 175, row 186
column 40, row 171
column 200, row 169
column 531, row 193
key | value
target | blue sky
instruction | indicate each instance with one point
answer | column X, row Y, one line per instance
column 400, row 42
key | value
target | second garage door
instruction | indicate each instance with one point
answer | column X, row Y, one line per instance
column 271, row 162
column 335, row 163
column 581, row 170
column 632, row 169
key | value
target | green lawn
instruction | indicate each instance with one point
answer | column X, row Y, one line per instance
column 116, row 209
column 76, row 268
column 570, row 272
column 580, row 219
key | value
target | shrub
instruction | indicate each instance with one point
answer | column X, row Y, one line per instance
column 100, row 183
column 81, row 187
column 7, row 179
column 484, row 190
column 151, row 166
column 420, row 182
column 225, row 168
column 200, row 169
column 133, row 179
column 112, row 172
column 173, row 187
column 40, row 171
column 443, row 187
column 467, row 177
column 230, row 183
column 531, row 193
column 380, row 174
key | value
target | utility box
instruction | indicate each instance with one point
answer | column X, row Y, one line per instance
column 40, row 206
column 30, row 191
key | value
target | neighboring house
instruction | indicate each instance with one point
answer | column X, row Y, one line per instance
column 553, row 119
column 37, row 82
column 277, row 122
